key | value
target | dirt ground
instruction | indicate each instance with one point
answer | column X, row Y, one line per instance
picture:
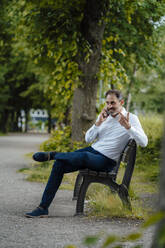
column 18, row 196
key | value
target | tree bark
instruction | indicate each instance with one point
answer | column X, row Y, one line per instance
column 4, row 121
column 26, row 120
column 160, row 229
column 66, row 120
column 49, row 121
column 84, row 99
column 12, row 116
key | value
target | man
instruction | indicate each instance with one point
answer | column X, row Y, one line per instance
column 111, row 132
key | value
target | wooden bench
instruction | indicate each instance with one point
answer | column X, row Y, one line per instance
column 86, row 177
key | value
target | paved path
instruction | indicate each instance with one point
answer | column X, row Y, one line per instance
column 18, row 196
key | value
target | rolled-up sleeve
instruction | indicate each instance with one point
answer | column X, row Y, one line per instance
column 136, row 131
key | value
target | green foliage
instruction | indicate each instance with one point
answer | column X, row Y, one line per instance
column 103, row 203
column 70, row 246
column 91, row 240
column 152, row 90
column 16, row 74
column 2, row 134
column 148, row 158
column 153, row 219
column 49, row 33
column 111, row 69
column 110, row 240
column 38, row 172
column 161, row 237
column 60, row 141
column 52, row 44
column 131, row 37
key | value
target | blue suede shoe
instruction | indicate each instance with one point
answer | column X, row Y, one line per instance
column 43, row 156
column 38, row 212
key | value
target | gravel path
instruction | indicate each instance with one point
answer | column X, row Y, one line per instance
column 18, row 196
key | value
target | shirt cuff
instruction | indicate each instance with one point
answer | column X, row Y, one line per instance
column 131, row 130
column 96, row 127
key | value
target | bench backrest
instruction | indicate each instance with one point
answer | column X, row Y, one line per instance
column 128, row 156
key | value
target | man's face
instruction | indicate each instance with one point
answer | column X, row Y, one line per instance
column 113, row 104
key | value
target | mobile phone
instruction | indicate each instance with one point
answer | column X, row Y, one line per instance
column 107, row 112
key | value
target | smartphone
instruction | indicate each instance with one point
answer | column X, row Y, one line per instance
column 107, row 112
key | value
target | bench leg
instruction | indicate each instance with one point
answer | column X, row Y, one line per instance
column 114, row 187
column 81, row 196
column 124, row 196
column 77, row 185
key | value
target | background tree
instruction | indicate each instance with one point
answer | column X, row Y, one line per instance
column 150, row 82
column 134, row 26
column 5, row 50
column 18, row 76
column 65, row 39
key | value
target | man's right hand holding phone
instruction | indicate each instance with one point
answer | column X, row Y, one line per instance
column 103, row 116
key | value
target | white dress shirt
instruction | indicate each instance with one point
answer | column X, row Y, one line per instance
column 111, row 137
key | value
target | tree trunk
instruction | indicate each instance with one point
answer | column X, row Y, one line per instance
column 4, row 121
column 66, row 120
column 15, row 115
column 12, row 116
column 159, row 240
column 84, row 99
column 49, row 121
column 84, row 109
column 15, row 122
column 26, row 120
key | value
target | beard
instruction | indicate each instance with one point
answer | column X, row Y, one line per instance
column 113, row 112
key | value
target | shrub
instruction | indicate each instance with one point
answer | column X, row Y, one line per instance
column 60, row 141
column 148, row 158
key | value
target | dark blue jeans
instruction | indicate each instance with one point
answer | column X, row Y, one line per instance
column 86, row 158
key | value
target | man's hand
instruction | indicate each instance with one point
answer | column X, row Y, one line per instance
column 124, row 121
column 102, row 118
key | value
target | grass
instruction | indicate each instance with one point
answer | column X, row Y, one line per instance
column 3, row 134
column 39, row 172
column 105, row 204
column 101, row 202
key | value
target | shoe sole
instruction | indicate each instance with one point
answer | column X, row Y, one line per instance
column 41, row 216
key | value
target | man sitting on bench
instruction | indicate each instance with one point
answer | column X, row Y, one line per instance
column 111, row 132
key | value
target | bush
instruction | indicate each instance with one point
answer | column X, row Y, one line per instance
column 148, row 158
column 60, row 141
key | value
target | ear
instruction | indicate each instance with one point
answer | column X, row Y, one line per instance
column 122, row 101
